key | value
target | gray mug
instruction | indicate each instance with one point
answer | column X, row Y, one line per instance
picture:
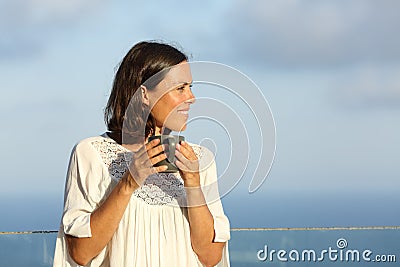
column 170, row 141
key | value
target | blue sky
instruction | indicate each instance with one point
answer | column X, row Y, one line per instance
column 329, row 70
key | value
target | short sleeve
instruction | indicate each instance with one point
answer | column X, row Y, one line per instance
column 211, row 193
column 82, row 190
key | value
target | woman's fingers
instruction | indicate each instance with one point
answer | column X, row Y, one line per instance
column 153, row 145
column 186, row 150
column 160, row 168
column 181, row 166
column 158, row 158
column 145, row 148
column 155, row 151
column 185, row 164
column 148, row 152
column 188, row 165
column 180, row 157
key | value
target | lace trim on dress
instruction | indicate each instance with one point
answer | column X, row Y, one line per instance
column 158, row 189
column 114, row 156
column 161, row 189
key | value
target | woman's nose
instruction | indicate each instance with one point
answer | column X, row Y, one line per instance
column 191, row 98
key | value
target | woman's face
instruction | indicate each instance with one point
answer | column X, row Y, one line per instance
column 171, row 98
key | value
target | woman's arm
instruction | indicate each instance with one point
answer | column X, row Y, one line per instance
column 103, row 223
column 202, row 228
column 200, row 218
column 105, row 219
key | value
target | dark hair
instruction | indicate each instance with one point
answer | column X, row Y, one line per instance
column 144, row 60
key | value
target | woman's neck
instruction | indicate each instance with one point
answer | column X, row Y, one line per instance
column 157, row 131
column 161, row 131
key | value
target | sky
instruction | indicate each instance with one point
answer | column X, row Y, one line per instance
column 329, row 71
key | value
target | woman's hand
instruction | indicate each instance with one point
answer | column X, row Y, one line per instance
column 188, row 164
column 142, row 163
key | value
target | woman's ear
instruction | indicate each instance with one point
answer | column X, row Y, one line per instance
column 145, row 95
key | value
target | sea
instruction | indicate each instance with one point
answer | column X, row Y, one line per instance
column 273, row 230
column 272, row 210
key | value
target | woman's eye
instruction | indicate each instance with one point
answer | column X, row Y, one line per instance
column 183, row 87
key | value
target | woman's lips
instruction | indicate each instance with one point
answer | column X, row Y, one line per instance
column 184, row 111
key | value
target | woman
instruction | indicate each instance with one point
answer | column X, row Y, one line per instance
column 119, row 210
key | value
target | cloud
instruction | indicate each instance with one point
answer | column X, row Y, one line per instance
column 27, row 26
column 368, row 87
column 323, row 33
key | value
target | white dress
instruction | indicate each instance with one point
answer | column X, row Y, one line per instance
column 154, row 230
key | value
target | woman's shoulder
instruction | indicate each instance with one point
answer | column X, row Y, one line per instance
column 90, row 143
